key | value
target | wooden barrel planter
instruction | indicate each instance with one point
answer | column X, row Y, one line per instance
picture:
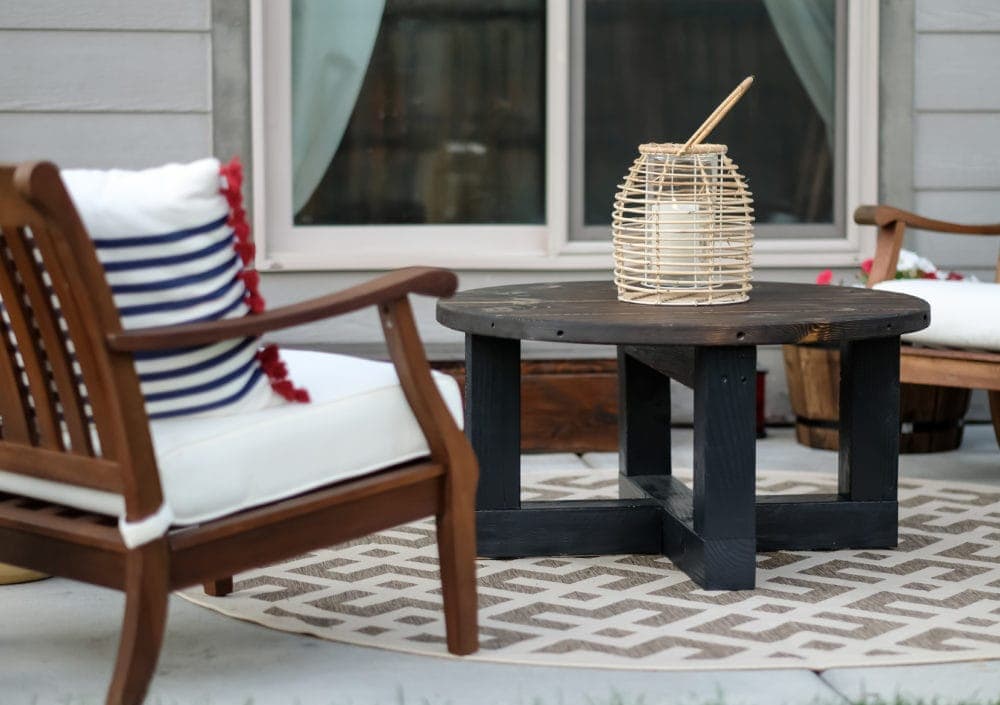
column 931, row 417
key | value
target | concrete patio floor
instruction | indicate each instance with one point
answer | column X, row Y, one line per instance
column 58, row 640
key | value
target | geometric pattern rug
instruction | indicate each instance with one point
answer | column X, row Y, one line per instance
column 934, row 599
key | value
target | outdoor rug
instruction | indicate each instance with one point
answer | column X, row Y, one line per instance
column 936, row 598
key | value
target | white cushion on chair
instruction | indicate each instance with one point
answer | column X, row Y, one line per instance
column 963, row 314
column 358, row 421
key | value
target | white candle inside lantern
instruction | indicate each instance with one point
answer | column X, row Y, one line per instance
column 671, row 242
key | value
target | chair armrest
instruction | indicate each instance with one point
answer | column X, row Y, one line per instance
column 892, row 222
column 447, row 443
column 389, row 287
column 887, row 215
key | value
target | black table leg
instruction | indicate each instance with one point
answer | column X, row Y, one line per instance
column 724, row 467
column 643, row 422
column 869, row 434
column 864, row 513
column 493, row 418
column 709, row 533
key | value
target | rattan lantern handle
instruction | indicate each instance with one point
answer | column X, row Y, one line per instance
column 720, row 112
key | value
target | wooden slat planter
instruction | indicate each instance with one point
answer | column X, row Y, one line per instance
column 931, row 416
column 566, row 405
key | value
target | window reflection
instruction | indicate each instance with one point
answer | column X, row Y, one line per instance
column 448, row 125
column 654, row 70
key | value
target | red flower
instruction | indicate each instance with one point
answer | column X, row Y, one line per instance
column 866, row 266
column 824, row 277
column 955, row 277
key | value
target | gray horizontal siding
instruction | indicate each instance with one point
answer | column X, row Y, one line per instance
column 956, row 130
column 105, row 83
column 957, row 72
column 961, row 206
column 958, row 16
column 104, row 71
column 104, row 140
column 957, row 151
column 176, row 15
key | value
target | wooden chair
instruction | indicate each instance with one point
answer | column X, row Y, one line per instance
column 53, row 436
column 946, row 366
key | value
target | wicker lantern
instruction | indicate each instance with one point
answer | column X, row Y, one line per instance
column 683, row 223
column 683, row 227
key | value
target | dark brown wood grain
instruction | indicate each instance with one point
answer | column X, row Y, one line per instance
column 589, row 312
column 969, row 369
column 46, row 434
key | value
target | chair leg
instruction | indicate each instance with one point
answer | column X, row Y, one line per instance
column 146, row 592
column 219, row 588
column 456, row 535
column 995, row 413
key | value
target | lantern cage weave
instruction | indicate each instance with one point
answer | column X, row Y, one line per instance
column 682, row 228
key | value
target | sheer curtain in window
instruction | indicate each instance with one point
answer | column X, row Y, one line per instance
column 332, row 43
column 808, row 32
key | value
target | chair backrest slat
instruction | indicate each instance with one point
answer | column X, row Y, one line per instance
column 49, row 323
column 15, row 405
column 29, row 345
column 65, row 397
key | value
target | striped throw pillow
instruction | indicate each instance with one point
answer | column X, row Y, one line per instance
column 176, row 248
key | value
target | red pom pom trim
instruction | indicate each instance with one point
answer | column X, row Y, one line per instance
column 270, row 362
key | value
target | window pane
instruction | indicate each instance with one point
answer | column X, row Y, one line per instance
column 655, row 69
column 448, row 125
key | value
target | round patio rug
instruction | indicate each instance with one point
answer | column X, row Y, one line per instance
column 936, row 598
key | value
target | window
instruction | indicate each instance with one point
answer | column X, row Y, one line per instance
column 493, row 133
column 448, row 126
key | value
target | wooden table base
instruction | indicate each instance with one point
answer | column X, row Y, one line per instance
column 713, row 531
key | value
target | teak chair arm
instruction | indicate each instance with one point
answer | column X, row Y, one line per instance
column 389, row 287
column 892, row 222
column 885, row 215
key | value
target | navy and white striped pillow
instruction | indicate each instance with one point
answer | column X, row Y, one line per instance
column 175, row 249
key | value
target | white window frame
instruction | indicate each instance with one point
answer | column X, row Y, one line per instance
column 283, row 246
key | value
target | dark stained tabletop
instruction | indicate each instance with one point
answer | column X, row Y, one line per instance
column 589, row 312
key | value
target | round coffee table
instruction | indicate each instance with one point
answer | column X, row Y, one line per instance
column 712, row 531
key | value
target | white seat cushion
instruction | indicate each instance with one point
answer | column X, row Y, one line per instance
column 358, row 421
column 963, row 314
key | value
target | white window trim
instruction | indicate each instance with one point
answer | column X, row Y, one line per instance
column 281, row 246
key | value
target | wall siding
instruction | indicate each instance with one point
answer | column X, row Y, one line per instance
column 90, row 71
column 175, row 15
column 105, row 83
column 950, row 80
column 956, row 127
column 105, row 140
column 957, row 16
